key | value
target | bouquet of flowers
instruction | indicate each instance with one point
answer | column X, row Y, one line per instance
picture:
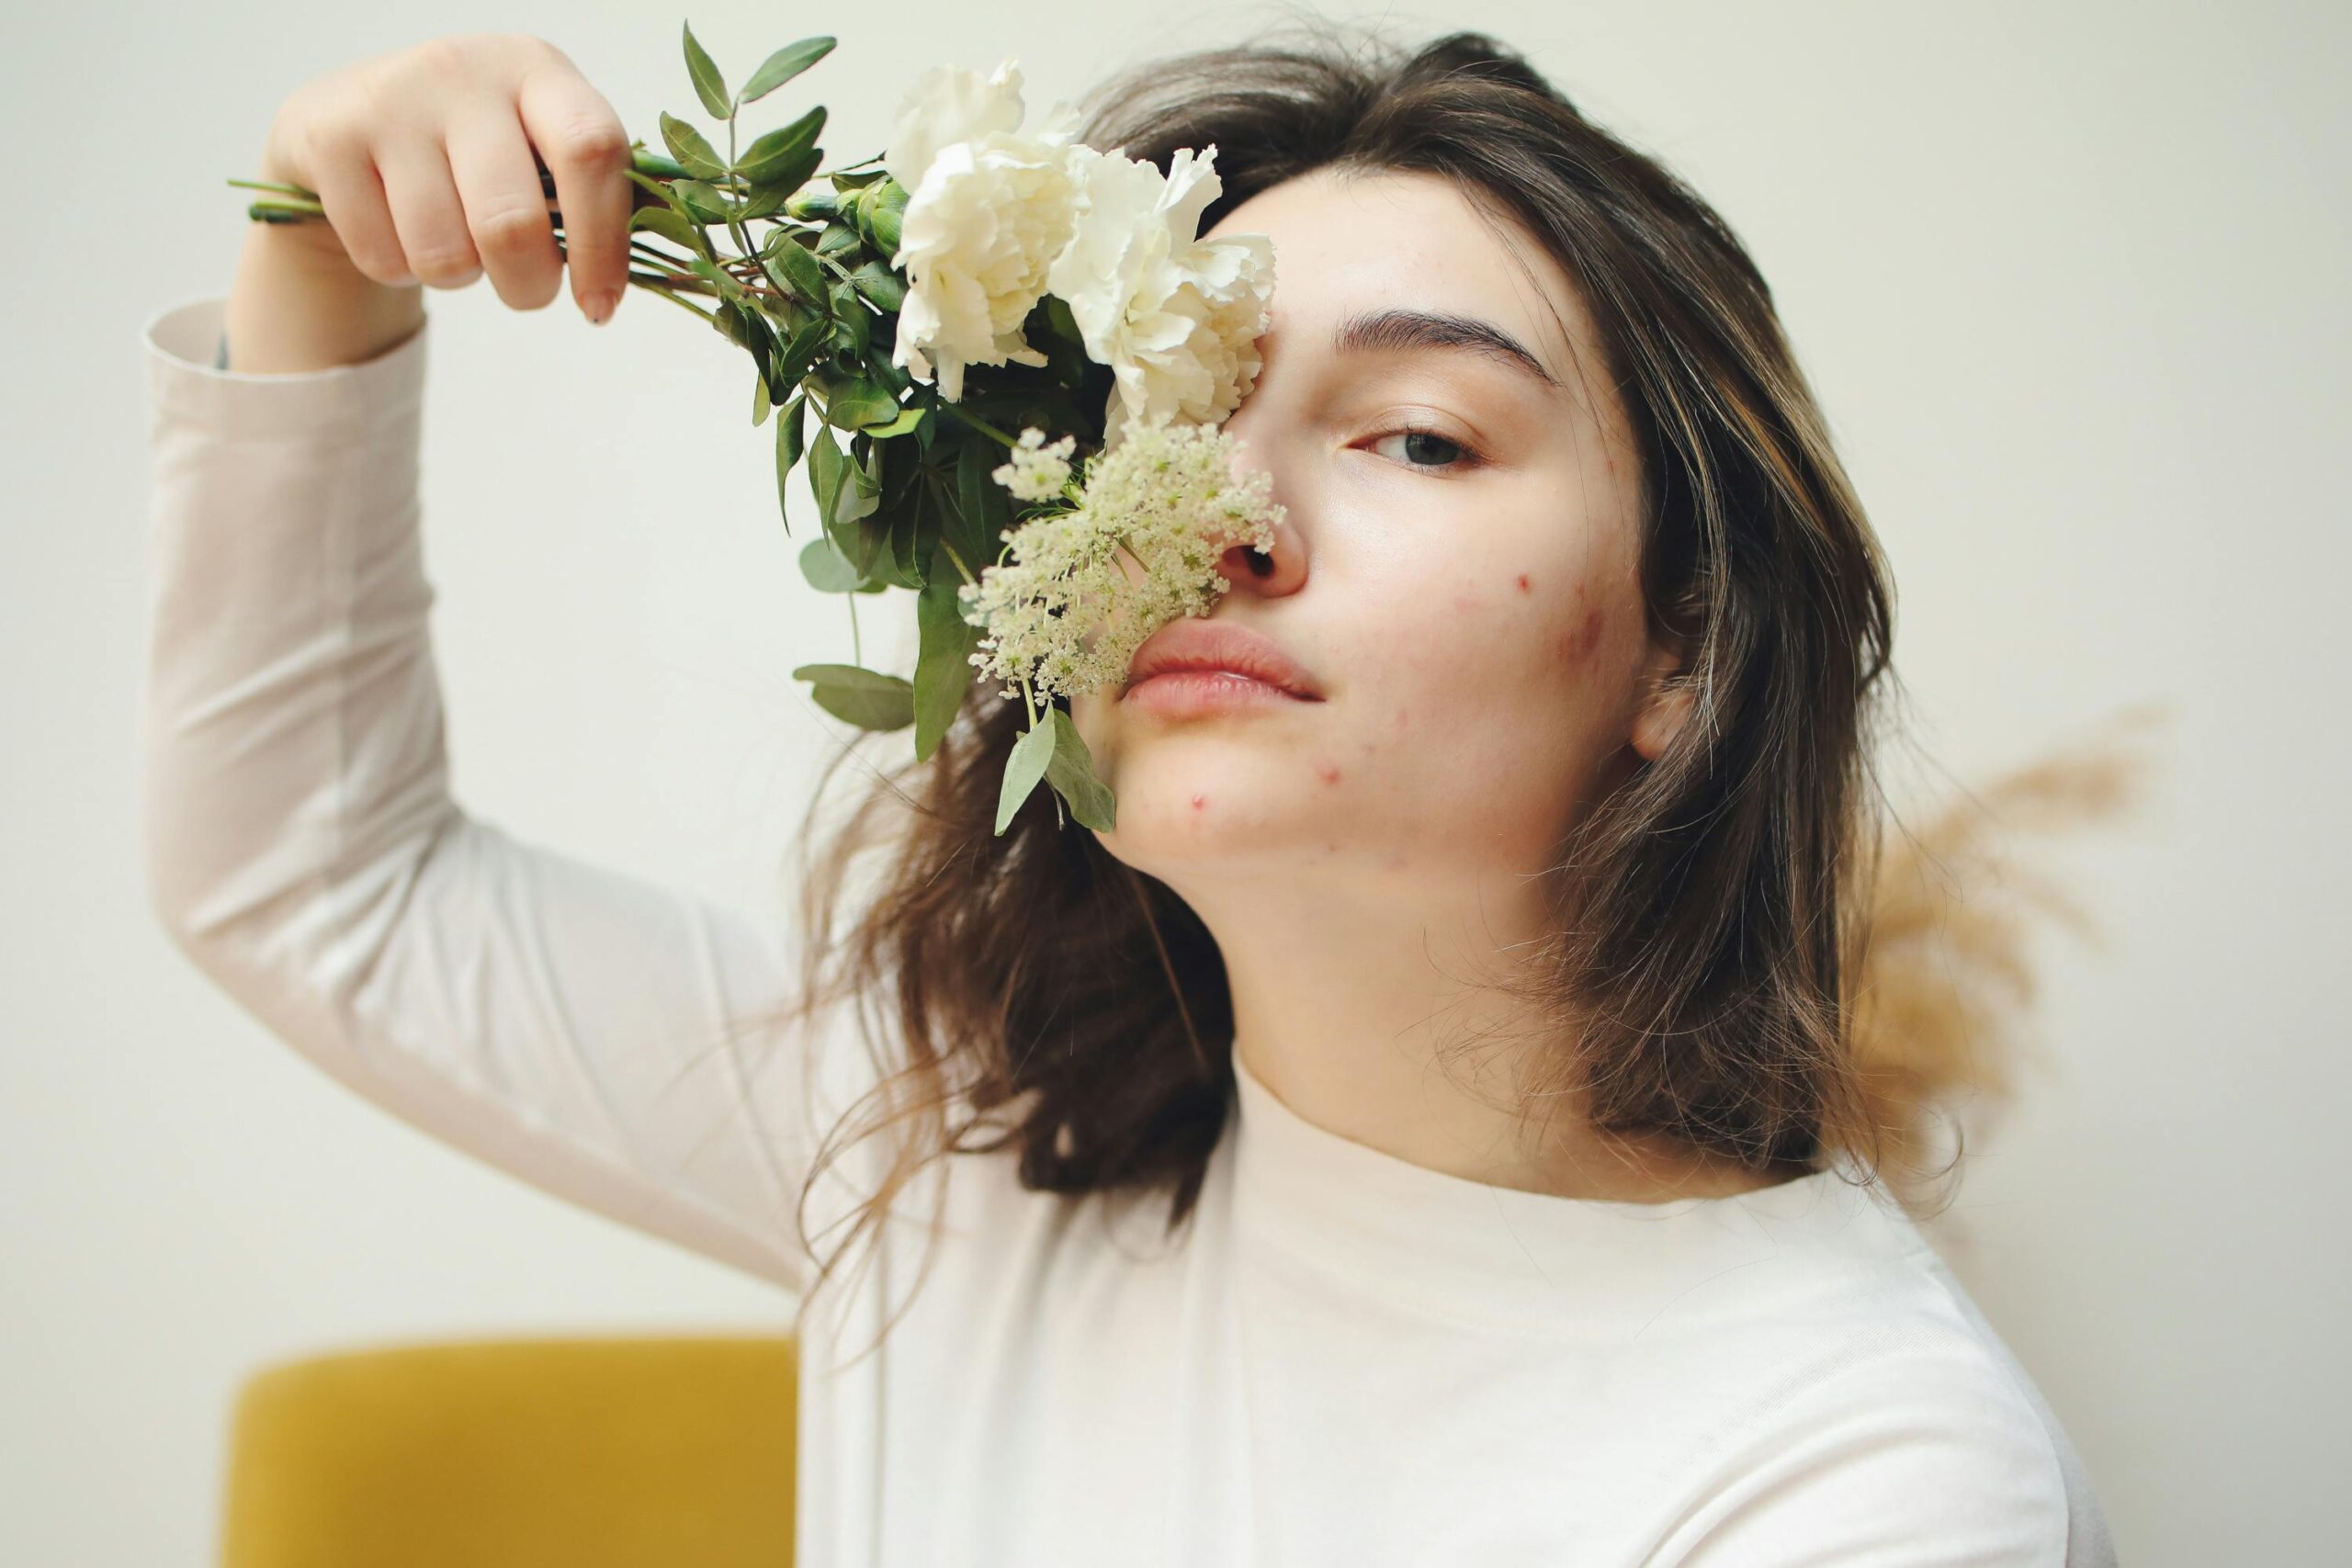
column 905, row 315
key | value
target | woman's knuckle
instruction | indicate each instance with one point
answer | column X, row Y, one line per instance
column 510, row 227
column 443, row 263
column 593, row 143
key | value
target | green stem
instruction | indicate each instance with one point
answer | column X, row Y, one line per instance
column 959, row 562
column 976, row 423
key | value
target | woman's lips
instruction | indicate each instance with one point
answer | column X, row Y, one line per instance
column 1179, row 694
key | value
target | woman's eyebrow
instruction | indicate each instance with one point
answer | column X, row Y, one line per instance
column 1373, row 331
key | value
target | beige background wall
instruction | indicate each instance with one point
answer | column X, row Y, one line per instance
column 2069, row 279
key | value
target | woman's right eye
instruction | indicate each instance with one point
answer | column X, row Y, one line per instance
column 1423, row 448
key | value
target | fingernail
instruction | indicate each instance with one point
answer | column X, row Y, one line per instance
column 600, row 307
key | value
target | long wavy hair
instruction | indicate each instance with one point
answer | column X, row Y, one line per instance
column 1713, row 980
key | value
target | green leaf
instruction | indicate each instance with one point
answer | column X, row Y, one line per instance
column 667, row 223
column 909, row 417
column 704, row 202
column 836, row 238
column 789, row 265
column 878, row 283
column 794, row 358
column 783, row 65
column 854, row 318
column 729, row 289
column 825, row 466
column 772, row 194
column 944, row 670
column 859, row 404
column 1023, row 766
column 1071, row 773
column 709, row 86
column 787, row 452
column 696, row 156
column 829, row 571
column 768, row 159
column 982, row 505
column 866, row 698
column 760, row 404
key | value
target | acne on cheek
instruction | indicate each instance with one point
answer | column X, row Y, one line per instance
column 1577, row 643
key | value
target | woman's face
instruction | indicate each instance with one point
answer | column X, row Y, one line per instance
column 1465, row 597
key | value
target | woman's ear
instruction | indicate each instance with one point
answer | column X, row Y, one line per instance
column 1667, row 691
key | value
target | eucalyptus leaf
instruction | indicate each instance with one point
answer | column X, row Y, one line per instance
column 709, row 86
column 829, row 571
column 866, row 698
column 1023, row 766
column 1071, row 774
column 696, row 156
column 783, row 65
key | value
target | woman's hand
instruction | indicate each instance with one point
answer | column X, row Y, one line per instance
column 424, row 161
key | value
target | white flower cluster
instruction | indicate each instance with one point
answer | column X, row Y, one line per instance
column 998, row 216
column 1067, row 613
column 1037, row 472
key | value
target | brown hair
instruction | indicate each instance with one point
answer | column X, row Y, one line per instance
column 1711, row 968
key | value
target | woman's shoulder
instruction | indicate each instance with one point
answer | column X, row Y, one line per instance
column 1897, row 1413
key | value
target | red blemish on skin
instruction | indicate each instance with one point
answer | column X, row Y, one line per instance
column 1400, row 718
column 1199, row 801
column 1327, row 773
column 1522, row 583
column 1579, row 589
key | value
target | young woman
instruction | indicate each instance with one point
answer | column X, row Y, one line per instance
column 1432, row 1128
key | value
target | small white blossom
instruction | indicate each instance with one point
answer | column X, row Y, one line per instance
column 1067, row 613
column 988, row 206
column 1177, row 318
column 1037, row 472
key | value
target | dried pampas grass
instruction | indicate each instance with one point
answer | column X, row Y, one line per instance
column 1939, row 1003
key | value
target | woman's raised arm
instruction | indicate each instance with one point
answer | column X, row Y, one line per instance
column 565, row 1022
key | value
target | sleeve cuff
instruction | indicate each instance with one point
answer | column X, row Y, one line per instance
column 181, row 343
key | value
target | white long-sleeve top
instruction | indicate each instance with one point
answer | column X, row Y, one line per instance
column 1346, row 1358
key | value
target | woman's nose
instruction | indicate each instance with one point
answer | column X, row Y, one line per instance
column 1282, row 568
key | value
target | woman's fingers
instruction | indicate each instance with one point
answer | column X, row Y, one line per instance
column 426, row 213
column 342, row 169
column 584, row 146
column 505, row 208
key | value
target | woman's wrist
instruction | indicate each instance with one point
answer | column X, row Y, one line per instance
column 298, row 303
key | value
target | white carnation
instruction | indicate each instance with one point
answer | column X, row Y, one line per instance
column 1177, row 318
column 988, row 206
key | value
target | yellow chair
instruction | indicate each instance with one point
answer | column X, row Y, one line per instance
column 594, row 1452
